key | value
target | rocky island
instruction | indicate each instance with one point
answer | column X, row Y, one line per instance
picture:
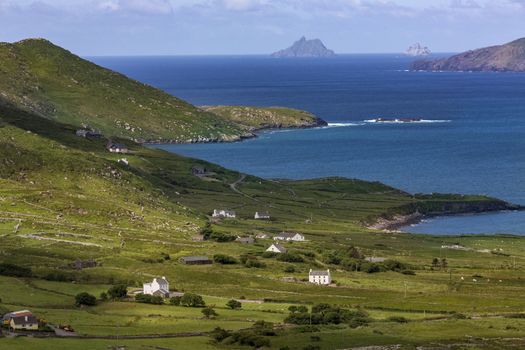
column 502, row 58
column 418, row 50
column 305, row 48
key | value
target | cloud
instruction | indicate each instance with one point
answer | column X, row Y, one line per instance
column 464, row 4
column 148, row 7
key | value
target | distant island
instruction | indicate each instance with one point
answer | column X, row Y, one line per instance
column 502, row 58
column 305, row 48
column 418, row 50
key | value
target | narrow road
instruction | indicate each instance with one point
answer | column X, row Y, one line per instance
column 233, row 185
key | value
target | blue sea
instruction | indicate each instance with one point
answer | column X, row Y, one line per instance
column 473, row 140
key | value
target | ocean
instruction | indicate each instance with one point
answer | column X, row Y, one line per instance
column 471, row 139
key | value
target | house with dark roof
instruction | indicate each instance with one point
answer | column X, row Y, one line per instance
column 198, row 170
column 289, row 236
column 6, row 319
column 195, row 260
column 320, row 277
column 21, row 320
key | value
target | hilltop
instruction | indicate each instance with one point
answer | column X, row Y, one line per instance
column 305, row 48
column 502, row 58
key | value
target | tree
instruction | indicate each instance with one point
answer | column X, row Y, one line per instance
column 118, row 292
column 192, row 300
column 103, row 296
column 85, row 299
column 209, row 312
column 435, row 262
column 224, row 259
column 234, row 304
column 444, row 263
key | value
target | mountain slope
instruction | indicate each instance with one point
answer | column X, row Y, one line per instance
column 52, row 82
column 305, row 48
column 502, row 58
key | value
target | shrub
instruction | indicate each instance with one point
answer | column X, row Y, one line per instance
column 85, row 299
column 192, row 300
column 234, row 304
column 253, row 262
column 224, row 259
column 315, row 338
column 289, row 269
column 312, row 347
column 13, row 270
column 219, row 334
column 149, row 299
column 248, row 338
column 290, row 257
column 307, row 329
column 398, row 319
column 221, row 237
column 408, row 272
column 268, row 255
column 118, row 292
column 175, row 300
column 209, row 312
column 103, row 296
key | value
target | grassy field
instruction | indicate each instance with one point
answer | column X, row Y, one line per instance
column 64, row 198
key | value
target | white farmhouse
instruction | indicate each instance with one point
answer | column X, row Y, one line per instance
column 159, row 286
column 222, row 213
column 262, row 215
column 320, row 277
column 276, row 248
column 289, row 236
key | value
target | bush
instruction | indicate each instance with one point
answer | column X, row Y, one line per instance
column 290, row 257
column 248, row 338
column 312, row 347
column 221, row 237
column 103, row 296
column 255, row 264
column 175, row 300
column 326, row 314
column 268, row 255
column 289, row 269
column 234, row 304
column 192, row 300
column 219, row 334
column 118, row 292
column 307, row 329
column 398, row 319
column 224, row 259
column 315, row 338
column 209, row 312
column 408, row 272
column 149, row 299
column 13, row 270
column 85, row 299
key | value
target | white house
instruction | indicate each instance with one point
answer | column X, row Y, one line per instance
column 289, row 236
column 261, row 215
column 223, row 213
column 320, row 277
column 159, row 286
column 261, row 236
column 276, row 248
column 116, row 147
column 123, row 161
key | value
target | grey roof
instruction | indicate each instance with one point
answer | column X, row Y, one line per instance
column 279, row 246
column 319, row 273
column 288, row 234
column 23, row 320
column 245, row 239
column 195, row 258
column 263, row 213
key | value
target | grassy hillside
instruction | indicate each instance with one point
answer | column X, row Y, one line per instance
column 254, row 118
column 54, row 83
column 64, row 198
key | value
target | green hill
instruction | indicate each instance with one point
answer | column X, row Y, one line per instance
column 52, row 82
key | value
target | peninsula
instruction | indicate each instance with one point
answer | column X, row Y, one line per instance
column 502, row 58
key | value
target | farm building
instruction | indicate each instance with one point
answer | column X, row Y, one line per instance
column 289, row 236
column 222, row 213
column 159, row 286
column 6, row 319
column 195, row 260
column 320, row 277
column 29, row 323
column 245, row 240
column 87, row 133
column 276, row 248
column 261, row 215
column 199, row 170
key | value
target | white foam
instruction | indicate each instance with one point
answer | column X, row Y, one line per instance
column 340, row 125
column 400, row 121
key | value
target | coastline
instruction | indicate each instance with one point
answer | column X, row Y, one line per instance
column 250, row 134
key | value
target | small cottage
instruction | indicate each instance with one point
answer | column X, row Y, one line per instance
column 159, row 286
column 261, row 236
column 262, row 215
column 195, row 260
column 87, row 133
column 28, row 323
column 6, row 319
column 320, row 277
column 222, row 213
column 276, row 248
column 116, row 147
column 123, row 161
column 245, row 240
column 199, row 170
column 289, row 236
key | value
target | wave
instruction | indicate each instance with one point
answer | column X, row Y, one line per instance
column 340, row 125
column 406, row 121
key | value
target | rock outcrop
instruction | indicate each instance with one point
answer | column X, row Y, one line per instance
column 305, row 48
column 418, row 50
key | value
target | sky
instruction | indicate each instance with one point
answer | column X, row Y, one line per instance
column 222, row 27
